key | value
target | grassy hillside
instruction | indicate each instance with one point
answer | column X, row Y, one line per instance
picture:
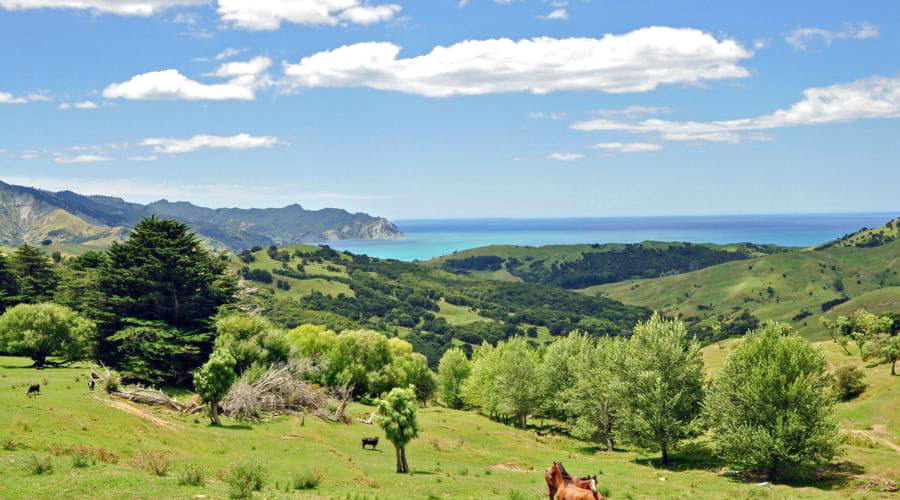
column 579, row 266
column 458, row 454
column 788, row 287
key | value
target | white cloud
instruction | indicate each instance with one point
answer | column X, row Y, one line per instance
column 565, row 156
column 247, row 74
column 634, row 111
column 236, row 142
column 627, row 147
column 637, row 61
column 170, row 84
column 540, row 115
column 60, row 158
column 876, row 97
column 143, row 158
column 269, row 14
column 79, row 105
column 804, row 38
column 8, row 98
column 228, row 54
column 121, row 7
column 558, row 14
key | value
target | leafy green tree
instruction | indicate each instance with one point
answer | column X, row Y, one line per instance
column 889, row 350
column 453, row 370
column 251, row 340
column 40, row 331
column 504, row 380
column 591, row 397
column 162, row 273
column 9, row 286
column 556, row 372
column 312, row 341
column 359, row 358
column 772, row 405
column 660, row 387
column 413, row 371
column 37, row 279
column 861, row 327
column 213, row 380
column 397, row 413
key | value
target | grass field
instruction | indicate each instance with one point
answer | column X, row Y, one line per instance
column 299, row 287
column 458, row 454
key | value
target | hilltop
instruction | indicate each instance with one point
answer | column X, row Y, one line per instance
column 29, row 215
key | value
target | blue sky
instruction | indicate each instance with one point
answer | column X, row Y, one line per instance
column 442, row 108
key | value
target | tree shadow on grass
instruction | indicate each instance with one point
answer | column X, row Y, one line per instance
column 691, row 456
column 827, row 477
column 233, row 427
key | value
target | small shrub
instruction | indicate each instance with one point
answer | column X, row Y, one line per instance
column 9, row 444
column 516, row 495
column 83, row 456
column 191, row 475
column 860, row 440
column 245, row 477
column 849, row 381
column 156, row 462
column 111, row 382
column 308, row 480
column 38, row 465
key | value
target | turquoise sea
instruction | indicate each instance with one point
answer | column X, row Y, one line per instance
column 425, row 239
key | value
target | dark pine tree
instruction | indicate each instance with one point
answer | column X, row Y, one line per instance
column 162, row 275
column 9, row 284
column 36, row 276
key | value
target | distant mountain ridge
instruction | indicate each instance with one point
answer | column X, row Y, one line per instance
column 30, row 215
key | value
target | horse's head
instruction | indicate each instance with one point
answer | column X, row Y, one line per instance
column 563, row 472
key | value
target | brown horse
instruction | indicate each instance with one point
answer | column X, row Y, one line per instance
column 565, row 487
column 587, row 483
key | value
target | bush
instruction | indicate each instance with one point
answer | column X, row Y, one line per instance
column 9, row 444
column 83, row 456
column 245, row 477
column 37, row 466
column 516, row 495
column 191, row 475
column 308, row 480
column 156, row 462
column 849, row 381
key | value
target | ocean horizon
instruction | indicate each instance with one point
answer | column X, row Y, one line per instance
column 428, row 238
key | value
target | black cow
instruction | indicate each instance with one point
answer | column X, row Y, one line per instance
column 91, row 384
column 34, row 389
column 373, row 442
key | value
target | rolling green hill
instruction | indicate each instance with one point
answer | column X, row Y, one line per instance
column 580, row 266
column 790, row 287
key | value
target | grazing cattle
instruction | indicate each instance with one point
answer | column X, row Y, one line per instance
column 95, row 375
column 91, row 384
column 373, row 442
column 34, row 389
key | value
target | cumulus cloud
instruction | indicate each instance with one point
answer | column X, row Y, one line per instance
column 627, row 147
column 79, row 105
column 143, row 158
column 235, row 142
column 121, row 7
column 61, row 158
column 637, row 61
column 565, row 156
column 8, row 98
column 876, row 97
column 804, row 38
column 269, row 14
column 227, row 54
column 244, row 79
column 558, row 14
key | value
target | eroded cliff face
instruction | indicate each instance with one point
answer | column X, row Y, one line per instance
column 379, row 229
